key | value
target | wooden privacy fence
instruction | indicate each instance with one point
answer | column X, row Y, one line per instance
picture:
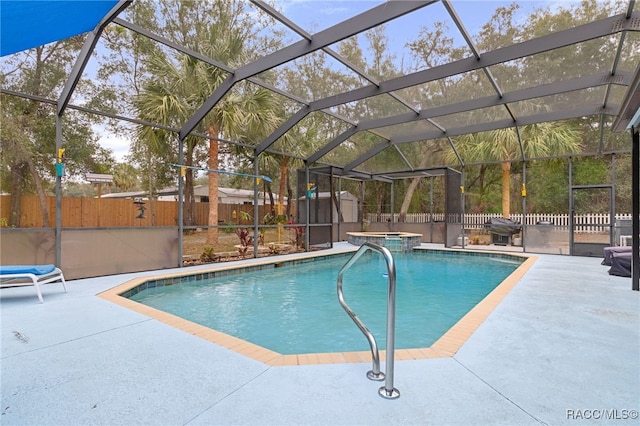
column 80, row 212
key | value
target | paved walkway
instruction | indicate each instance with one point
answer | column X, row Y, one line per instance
column 562, row 346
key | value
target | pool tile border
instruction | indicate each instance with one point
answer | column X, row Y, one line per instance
column 445, row 347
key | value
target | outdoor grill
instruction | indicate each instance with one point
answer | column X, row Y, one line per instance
column 502, row 230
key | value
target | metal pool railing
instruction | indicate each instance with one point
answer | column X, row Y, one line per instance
column 386, row 391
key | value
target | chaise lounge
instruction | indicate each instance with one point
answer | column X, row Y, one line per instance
column 35, row 275
column 620, row 264
column 609, row 251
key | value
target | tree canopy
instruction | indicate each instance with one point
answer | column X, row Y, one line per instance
column 149, row 79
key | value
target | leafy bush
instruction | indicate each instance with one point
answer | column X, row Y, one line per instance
column 229, row 229
column 274, row 249
column 298, row 236
column 245, row 240
column 208, row 255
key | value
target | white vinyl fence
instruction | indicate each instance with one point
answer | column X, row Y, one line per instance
column 477, row 221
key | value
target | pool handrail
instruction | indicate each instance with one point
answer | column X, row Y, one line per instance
column 387, row 391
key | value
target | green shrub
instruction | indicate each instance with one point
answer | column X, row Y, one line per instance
column 208, row 255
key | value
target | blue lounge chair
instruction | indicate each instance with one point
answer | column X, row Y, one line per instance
column 35, row 275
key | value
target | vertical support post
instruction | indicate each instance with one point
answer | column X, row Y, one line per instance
column 524, row 205
column 571, row 212
column 180, row 201
column 612, row 202
column 332, row 194
column 307, row 228
column 391, row 209
column 58, row 232
column 99, row 185
column 256, row 209
column 431, row 210
column 339, row 208
column 462, row 233
column 635, row 210
column 362, row 217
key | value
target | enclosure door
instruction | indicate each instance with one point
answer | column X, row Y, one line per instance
column 591, row 219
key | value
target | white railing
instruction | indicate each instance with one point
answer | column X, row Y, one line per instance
column 585, row 222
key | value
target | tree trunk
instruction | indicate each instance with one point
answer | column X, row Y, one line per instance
column 272, row 201
column 335, row 204
column 506, row 190
column 380, row 196
column 481, row 175
column 40, row 191
column 284, row 168
column 214, row 178
column 408, row 196
column 152, row 200
column 289, row 198
column 361, row 203
column 189, row 199
column 152, row 210
column 18, row 174
column 21, row 167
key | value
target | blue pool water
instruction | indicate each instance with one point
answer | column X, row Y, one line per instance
column 294, row 308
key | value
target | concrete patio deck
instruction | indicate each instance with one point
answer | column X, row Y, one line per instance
column 562, row 348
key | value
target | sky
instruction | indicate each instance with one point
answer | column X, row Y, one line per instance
column 117, row 144
column 317, row 15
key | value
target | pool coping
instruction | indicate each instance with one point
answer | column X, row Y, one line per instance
column 445, row 347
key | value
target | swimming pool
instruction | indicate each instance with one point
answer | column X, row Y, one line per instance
column 292, row 307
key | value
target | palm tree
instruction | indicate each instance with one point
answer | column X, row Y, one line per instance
column 538, row 141
column 125, row 176
column 180, row 85
column 248, row 111
column 163, row 100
